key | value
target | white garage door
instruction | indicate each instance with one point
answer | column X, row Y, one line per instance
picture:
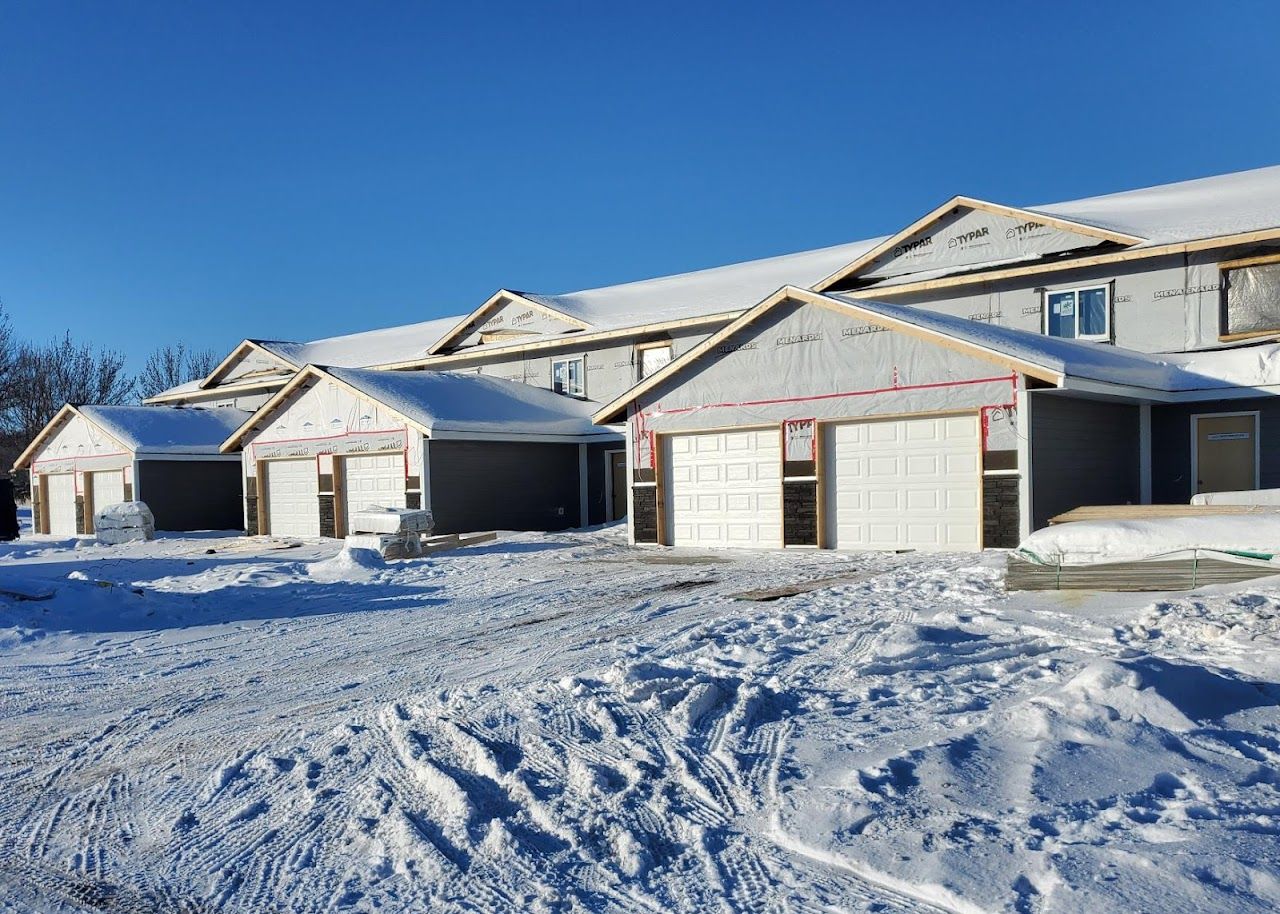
column 62, row 503
column 108, row 488
column 293, row 505
column 724, row 489
column 373, row 479
column 904, row 484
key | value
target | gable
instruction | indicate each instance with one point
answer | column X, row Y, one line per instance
column 323, row 416
column 513, row 320
column 254, row 362
column 75, row 440
column 969, row 236
column 247, row 362
column 803, row 359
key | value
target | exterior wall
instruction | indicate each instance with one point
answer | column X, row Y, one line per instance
column 1172, row 476
column 515, row 317
column 1159, row 304
column 253, row 362
column 1083, row 452
column 502, row 485
column 321, row 421
column 597, row 481
column 807, row 362
column 212, row 397
column 78, row 446
column 192, row 494
column 612, row 367
column 1001, row 511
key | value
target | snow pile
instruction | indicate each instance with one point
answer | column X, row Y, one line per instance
column 1089, row 542
column 353, row 563
column 1247, row 497
column 560, row 723
column 126, row 522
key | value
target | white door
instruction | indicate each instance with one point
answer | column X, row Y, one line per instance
column 62, row 503
column 108, row 488
column 293, row 503
column 724, row 489
column 904, row 484
column 373, row 479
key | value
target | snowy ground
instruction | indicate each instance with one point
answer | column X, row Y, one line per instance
column 557, row 722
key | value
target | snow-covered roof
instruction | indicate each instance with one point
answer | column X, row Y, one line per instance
column 1245, row 201
column 714, row 291
column 167, row 429
column 371, row 347
column 441, row 401
column 1181, row 212
column 1095, row 361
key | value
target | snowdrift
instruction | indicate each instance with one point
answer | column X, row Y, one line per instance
column 1089, row 542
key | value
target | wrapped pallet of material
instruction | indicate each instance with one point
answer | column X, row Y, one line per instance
column 375, row 519
column 126, row 522
column 394, row 533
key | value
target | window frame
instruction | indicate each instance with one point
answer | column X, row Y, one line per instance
column 641, row 348
column 1225, row 267
column 581, row 392
column 1104, row 337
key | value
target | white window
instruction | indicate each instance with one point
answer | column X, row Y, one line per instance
column 569, row 376
column 1078, row 314
column 653, row 358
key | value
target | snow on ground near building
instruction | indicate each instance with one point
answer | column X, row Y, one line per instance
column 1088, row 541
column 561, row 723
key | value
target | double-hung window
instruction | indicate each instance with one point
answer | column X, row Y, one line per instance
column 1078, row 314
column 569, row 376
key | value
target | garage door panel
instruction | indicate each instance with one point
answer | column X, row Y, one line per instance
column 293, row 503
column 724, row 489
column 108, row 488
column 709, row 473
column 373, row 479
column 917, row 487
column 62, row 503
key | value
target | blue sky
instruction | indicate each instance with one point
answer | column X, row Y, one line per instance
column 205, row 172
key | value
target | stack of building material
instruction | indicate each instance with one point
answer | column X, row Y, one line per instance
column 126, row 522
column 394, row 533
column 1154, row 554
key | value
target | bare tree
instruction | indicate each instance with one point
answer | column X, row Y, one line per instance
column 8, row 356
column 172, row 365
column 45, row 376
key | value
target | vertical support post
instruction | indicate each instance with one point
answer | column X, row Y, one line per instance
column 1025, row 469
column 426, row 472
column 1144, row 453
column 583, row 518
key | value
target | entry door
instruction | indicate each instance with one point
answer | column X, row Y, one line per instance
column 725, row 489
column 293, row 497
column 1226, row 452
column 904, row 484
column 373, row 479
column 61, row 505
column 618, row 483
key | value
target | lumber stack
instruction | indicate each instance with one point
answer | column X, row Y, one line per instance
column 1156, row 512
column 1185, row 572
